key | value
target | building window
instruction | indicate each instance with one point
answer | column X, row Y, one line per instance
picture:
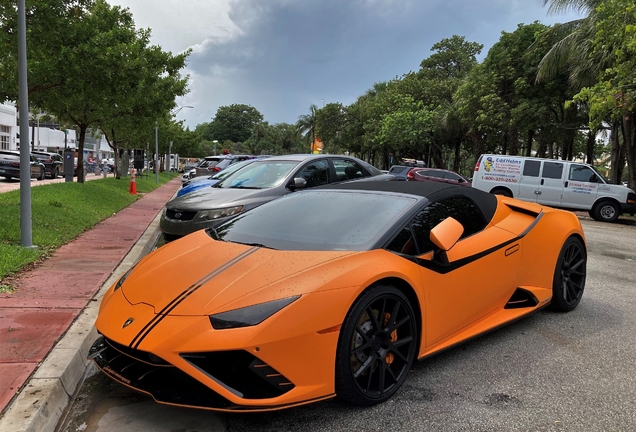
column 4, row 137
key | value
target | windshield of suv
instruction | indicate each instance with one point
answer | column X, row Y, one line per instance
column 259, row 175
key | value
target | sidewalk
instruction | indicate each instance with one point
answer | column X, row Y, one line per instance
column 46, row 307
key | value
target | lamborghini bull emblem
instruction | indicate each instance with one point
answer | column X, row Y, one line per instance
column 128, row 322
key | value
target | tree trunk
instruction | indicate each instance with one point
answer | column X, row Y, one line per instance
column 80, row 153
column 589, row 148
column 529, row 143
column 630, row 150
column 457, row 159
column 616, row 161
column 513, row 143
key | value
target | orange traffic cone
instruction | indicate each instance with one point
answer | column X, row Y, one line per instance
column 132, row 188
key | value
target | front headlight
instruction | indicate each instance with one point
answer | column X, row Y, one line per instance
column 249, row 316
column 122, row 279
column 205, row 215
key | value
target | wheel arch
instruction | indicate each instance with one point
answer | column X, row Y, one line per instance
column 502, row 188
column 603, row 199
column 412, row 297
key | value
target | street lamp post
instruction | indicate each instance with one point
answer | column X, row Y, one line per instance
column 174, row 112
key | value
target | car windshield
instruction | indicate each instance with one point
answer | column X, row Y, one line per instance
column 317, row 220
column 230, row 170
column 259, row 175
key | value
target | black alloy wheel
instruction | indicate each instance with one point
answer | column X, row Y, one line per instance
column 377, row 346
column 569, row 276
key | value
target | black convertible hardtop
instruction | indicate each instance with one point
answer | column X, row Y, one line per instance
column 432, row 191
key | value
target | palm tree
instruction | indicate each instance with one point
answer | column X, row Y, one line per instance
column 572, row 45
column 306, row 124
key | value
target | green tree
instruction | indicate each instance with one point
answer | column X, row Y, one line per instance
column 46, row 41
column 234, row 122
column 113, row 80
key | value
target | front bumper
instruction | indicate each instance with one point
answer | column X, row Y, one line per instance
column 628, row 208
column 180, row 228
column 238, row 371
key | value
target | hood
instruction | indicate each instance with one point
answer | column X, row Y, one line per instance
column 211, row 198
column 198, row 275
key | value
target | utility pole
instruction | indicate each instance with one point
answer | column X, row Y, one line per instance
column 26, row 233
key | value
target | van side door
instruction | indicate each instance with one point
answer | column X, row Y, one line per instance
column 581, row 187
column 529, row 181
column 551, row 183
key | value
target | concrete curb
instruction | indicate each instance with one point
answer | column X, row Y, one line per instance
column 44, row 399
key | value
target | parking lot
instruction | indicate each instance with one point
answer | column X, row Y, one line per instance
column 550, row 371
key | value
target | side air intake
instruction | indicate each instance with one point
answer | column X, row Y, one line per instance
column 522, row 299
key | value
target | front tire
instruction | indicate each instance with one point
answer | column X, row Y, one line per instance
column 606, row 211
column 569, row 276
column 377, row 346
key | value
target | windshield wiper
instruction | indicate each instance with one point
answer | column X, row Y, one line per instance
column 255, row 245
column 243, row 187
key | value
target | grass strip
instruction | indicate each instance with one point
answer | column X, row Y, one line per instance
column 59, row 213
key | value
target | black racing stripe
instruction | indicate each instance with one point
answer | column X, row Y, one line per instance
column 185, row 294
column 441, row 268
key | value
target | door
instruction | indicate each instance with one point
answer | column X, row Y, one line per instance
column 472, row 285
column 580, row 188
column 315, row 173
column 529, row 181
column 551, row 183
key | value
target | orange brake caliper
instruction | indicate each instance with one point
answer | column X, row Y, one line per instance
column 390, row 356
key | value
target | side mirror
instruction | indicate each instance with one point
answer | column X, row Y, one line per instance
column 445, row 235
column 298, row 183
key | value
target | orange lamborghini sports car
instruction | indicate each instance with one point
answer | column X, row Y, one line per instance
column 332, row 292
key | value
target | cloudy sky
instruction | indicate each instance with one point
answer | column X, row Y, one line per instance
column 281, row 56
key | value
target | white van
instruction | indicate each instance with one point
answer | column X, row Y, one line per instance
column 556, row 183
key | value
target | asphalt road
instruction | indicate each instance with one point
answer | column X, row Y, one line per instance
column 548, row 372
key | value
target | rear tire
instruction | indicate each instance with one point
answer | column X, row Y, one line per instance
column 377, row 346
column 42, row 176
column 606, row 211
column 569, row 276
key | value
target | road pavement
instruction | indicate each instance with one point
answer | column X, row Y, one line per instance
column 548, row 372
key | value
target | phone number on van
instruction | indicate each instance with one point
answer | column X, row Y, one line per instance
column 500, row 179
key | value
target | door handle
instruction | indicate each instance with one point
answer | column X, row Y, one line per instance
column 541, row 182
column 566, row 184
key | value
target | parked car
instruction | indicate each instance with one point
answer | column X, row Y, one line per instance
column 438, row 175
column 400, row 171
column 335, row 292
column 53, row 163
column 10, row 165
column 257, row 183
column 198, row 183
column 206, row 167
column 557, row 183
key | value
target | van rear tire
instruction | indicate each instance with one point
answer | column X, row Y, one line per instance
column 502, row 191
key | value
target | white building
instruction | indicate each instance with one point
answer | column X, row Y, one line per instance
column 47, row 138
column 8, row 127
